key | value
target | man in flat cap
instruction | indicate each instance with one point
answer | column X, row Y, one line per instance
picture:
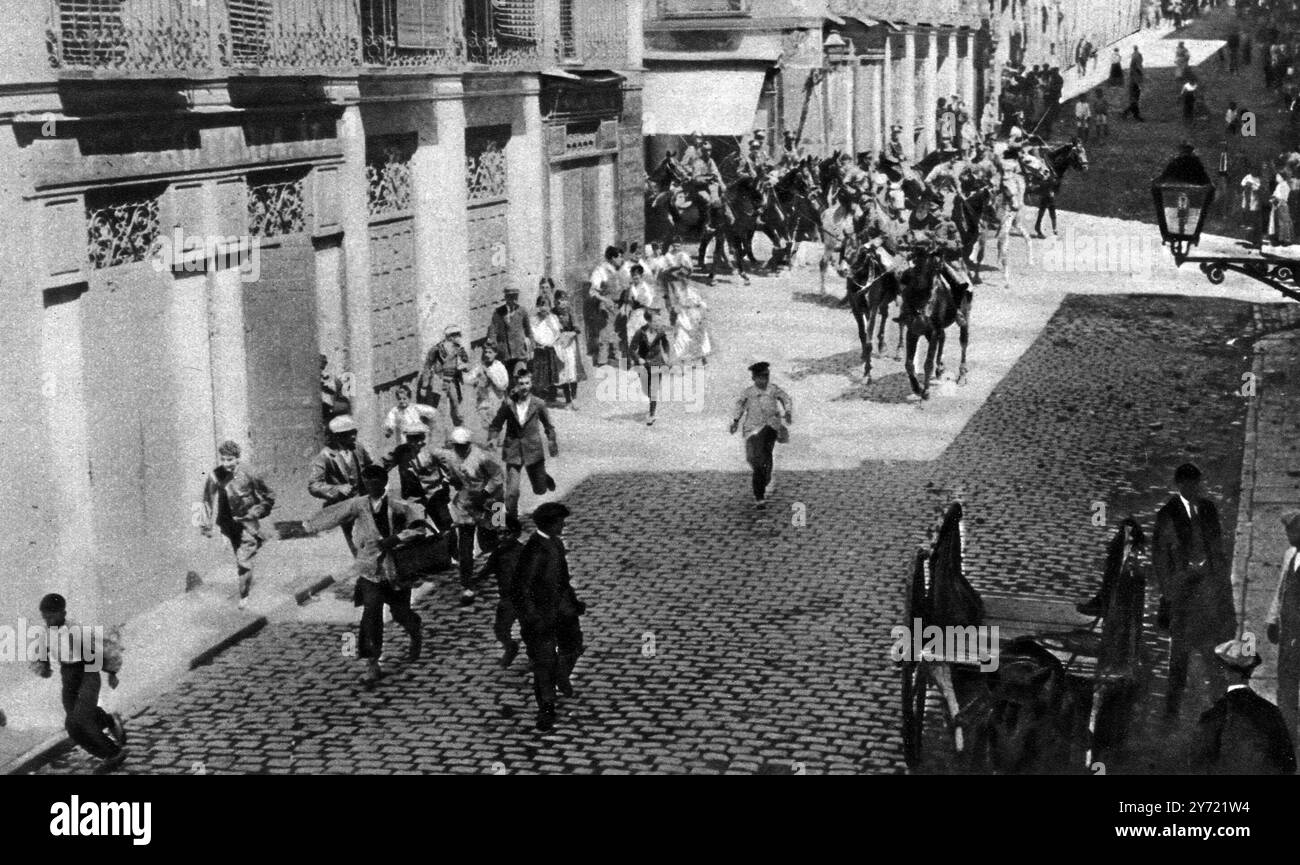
column 380, row 524
column 548, row 610
column 1192, row 571
column 444, row 372
column 765, row 410
column 1283, row 621
column 1242, row 733
column 477, row 478
column 511, row 332
column 334, row 474
column 523, row 426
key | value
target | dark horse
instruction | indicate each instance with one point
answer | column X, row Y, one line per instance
column 756, row 208
column 973, row 212
column 682, row 211
column 1059, row 160
column 870, row 288
column 929, row 309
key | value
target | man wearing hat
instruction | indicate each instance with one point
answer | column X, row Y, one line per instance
column 756, row 164
column 334, row 474
column 1242, row 733
column 1192, row 571
column 380, row 523
column 420, row 478
column 477, row 478
column 1283, row 621
column 765, row 410
column 930, row 228
column 444, row 369
column 705, row 185
column 895, row 155
column 548, row 610
column 503, row 563
column 235, row 498
column 511, row 332
column 523, row 419
column 793, row 152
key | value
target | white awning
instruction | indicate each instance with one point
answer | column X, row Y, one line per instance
column 712, row 102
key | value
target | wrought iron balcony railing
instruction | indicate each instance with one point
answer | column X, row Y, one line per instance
column 703, row 8
column 182, row 38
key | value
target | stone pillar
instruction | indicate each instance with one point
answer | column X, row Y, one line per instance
column 929, row 96
column 887, row 94
column 525, row 177
column 948, row 71
column 72, row 571
column 876, row 128
column 355, row 220
column 441, row 196
column 635, row 33
column 331, row 319
column 907, row 95
column 966, row 74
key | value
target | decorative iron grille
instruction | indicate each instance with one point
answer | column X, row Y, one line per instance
column 122, row 227
column 388, row 175
column 568, row 45
column 485, row 162
column 276, row 207
column 411, row 33
column 183, row 37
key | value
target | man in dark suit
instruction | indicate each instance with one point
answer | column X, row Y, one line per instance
column 548, row 611
column 1241, row 734
column 511, row 332
column 334, row 474
column 524, row 419
column 1196, row 591
column 502, row 564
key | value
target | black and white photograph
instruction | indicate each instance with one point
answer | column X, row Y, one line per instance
column 650, row 387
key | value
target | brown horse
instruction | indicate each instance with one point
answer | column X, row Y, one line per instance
column 870, row 289
column 929, row 309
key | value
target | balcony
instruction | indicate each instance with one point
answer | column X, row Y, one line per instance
column 703, row 8
column 186, row 39
column 463, row 36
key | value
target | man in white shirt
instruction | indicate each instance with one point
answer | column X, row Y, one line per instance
column 604, row 292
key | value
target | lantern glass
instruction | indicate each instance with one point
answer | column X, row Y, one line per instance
column 1182, row 210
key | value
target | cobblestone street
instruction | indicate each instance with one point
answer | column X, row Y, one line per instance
column 725, row 640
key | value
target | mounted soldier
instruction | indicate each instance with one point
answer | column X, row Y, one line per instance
column 705, row 185
column 755, row 163
column 929, row 229
column 793, row 153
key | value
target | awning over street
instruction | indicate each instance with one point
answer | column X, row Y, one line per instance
column 712, row 102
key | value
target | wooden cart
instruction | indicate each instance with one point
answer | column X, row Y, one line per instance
column 1077, row 675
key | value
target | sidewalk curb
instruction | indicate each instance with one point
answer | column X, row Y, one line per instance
column 59, row 744
column 1242, row 544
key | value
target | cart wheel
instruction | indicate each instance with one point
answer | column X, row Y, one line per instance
column 914, row 688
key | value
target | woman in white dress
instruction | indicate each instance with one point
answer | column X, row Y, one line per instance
column 566, row 350
column 691, row 341
column 639, row 297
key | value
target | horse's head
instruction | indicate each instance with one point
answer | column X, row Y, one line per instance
column 1079, row 156
column 669, row 169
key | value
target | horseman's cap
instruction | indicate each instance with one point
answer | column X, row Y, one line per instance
column 759, row 135
column 895, row 127
column 1237, row 655
column 1187, row 472
column 511, row 291
column 762, row 367
column 414, row 428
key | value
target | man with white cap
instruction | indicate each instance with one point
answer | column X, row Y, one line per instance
column 1242, row 733
column 477, row 479
column 334, row 474
column 420, row 477
column 1283, row 621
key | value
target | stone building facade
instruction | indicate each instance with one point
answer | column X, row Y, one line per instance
column 202, row 200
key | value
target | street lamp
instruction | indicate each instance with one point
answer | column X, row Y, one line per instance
column 1182, row 194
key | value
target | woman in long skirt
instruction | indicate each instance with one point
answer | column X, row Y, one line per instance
column 546, row 364
column 691, row 341
column 1116, row 69
column 566, row 350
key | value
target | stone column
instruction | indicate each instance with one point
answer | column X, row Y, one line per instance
column 907, row 94
column 887, row 94
column 948, row 71
column 441, row 197
column 929, row 97
column 966, row 74
column 525, row 177
column 356, row 263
